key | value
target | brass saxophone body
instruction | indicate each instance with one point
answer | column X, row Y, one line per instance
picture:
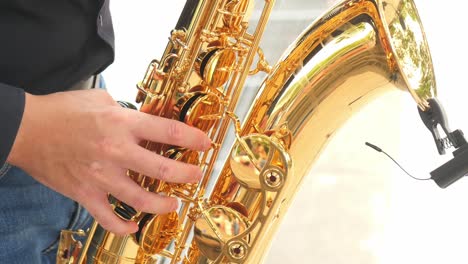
column 356, row 51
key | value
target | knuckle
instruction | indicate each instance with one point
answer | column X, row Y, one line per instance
column 118, row 193
column 96, row 174
column 175, row 132
column 164, row 171
column 108, row 220
column 140, row 203
column 116, row 116
column 109, row 147
column 95, row 170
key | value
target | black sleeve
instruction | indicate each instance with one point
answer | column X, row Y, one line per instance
column 12, row 101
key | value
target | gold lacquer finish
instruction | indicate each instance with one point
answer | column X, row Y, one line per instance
column 355, row 53
column 256, row 162
column 156, row 232
column 69, row 248
column 216, row 227
column 358, row 50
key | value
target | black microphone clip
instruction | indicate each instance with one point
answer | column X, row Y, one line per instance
column 456, row 168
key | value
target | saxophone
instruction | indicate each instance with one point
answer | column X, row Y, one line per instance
column 357, row 51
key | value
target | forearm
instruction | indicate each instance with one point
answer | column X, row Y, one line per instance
column 11, row 113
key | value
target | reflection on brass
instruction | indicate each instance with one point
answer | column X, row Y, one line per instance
column 273, row 178
column 184, row 155
column 216, row 66
column 156, row 232
column 199, row 110
column 358, row 50
column 262, row 64
column 251, row 158
column 237, row 250
column 69, row 248
column 237, row 11
column 411, row 49
column 217, row 226
column 239, row 208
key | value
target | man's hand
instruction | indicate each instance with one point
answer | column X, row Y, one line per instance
column 81, row 144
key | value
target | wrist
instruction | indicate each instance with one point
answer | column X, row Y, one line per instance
column 18, row 152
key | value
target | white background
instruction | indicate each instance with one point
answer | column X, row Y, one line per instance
column 358, row 207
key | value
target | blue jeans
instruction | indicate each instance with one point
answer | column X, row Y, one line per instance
column 31, row 218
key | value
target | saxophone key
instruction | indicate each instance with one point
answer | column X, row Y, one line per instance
column 218, row 233
column 236, row 14
column 259, row 163
column 123, row 213
column 199, row 109
column 156, row 232
column 216, row 65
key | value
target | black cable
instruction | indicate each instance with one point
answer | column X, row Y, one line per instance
column 380, row 150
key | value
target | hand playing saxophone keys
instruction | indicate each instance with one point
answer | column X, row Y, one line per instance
column 84, row 150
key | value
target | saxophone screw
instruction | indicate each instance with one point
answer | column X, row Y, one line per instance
column 183, row 88
column 215, row 145
column 237, row 250
column 273, row 178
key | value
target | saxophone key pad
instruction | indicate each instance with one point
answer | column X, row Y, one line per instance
column 199, row 109
column 216, row 65
column 156, row 232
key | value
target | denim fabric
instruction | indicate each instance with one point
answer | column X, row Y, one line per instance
column 31, row 218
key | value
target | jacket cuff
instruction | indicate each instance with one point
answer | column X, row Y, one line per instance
column 12, row 101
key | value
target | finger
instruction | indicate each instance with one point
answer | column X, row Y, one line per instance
column 173, row 132
column 97, row 204
column 127, row 191
column 149, row 163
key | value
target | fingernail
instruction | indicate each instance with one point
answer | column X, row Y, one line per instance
column 197, row 176
column 207, row 144
column 175, row 205
column 135, row 229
